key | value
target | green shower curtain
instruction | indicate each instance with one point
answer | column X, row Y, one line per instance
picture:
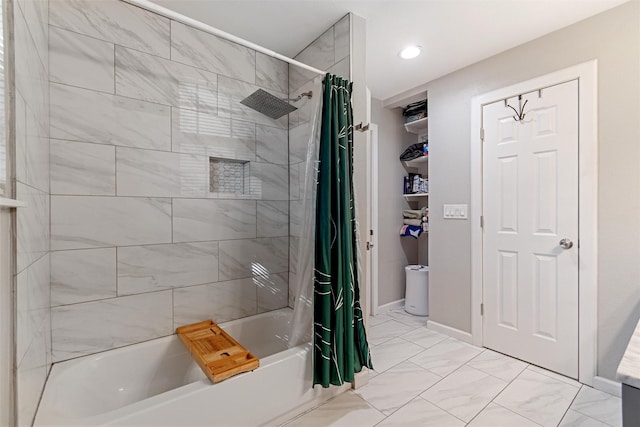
column 340, row 342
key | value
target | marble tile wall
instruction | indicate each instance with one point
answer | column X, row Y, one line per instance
column 329, row 52
column 139, row 245
column 33, row 313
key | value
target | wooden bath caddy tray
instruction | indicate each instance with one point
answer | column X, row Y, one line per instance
column 217, row 353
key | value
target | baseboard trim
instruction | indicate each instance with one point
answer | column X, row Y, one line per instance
column 390, row 306
column 452, row 332
column 607, row 385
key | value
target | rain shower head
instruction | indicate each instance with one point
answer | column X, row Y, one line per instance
column 269, row 105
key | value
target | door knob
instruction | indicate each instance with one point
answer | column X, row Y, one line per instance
column 566, row 243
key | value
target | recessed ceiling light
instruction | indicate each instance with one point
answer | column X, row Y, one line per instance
column 410, row 52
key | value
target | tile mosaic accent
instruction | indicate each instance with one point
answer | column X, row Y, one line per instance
column 228, row 176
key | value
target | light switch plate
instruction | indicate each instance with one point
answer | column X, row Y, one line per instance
column 455, row 212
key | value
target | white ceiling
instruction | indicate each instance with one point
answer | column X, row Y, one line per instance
column 453, row 33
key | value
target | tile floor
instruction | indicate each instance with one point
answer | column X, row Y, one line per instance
column 424, row 378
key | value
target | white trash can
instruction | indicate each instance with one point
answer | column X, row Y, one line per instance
column 416, row 299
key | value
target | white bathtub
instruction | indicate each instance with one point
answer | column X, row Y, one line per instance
column 157, row 383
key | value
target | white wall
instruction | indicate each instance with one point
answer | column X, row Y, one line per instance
column 394, row 252
column 613, row 38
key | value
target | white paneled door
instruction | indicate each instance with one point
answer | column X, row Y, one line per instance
column 530, row 209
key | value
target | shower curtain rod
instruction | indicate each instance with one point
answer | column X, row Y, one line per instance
column 168, row 13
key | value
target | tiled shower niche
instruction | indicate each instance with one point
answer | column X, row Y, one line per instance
column 229, row 176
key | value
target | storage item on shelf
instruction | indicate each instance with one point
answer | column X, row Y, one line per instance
column 415, row 109
column 411, row 231
column 413, row 152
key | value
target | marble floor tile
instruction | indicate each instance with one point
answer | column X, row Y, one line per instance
column 378, row 319
column 538, row 397
column 576, row 419
column 347, row 409
column 408, row 319
column 465, row 392
column 424, row 337
column 386, row 331
column 419, row 412
column 500, row 366
column 392, row 352
column 397, row 386
column 446, row 357
column 599, row 405
column 553, row 375
column 497, row 416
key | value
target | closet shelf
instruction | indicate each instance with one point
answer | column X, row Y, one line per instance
column 417, row 162
column 415, row 195
column 417, row 126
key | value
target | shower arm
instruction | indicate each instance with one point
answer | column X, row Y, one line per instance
column 302, row 95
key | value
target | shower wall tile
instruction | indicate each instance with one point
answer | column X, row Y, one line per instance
column 82, row 169
column 231, row 92
column 342, row 68
column 273, row 290
column 89, row 116
column 156, row 267
column 272, row 145
column 296, row 180
column 273, row 219
column 36, row 14
column 253, row 257
column 32, row 375
column 298, row 142
column 79, row 222
column 294, row 246
column 307, row 109
column 208, row 134
column 36, row 151
column 109, row 323
column 269, row 181
column 82, row 275
column 32, row 225
column 220, row 302
column 342, row 38
column 296, row 216
column 199, row 49
column 114, row 21
column 81, row 61
column 154, row 79
column 32, row 310
column 29, row 84
column 272, row 73
column 205, row 219
column 161, row 174
column 319, row 54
